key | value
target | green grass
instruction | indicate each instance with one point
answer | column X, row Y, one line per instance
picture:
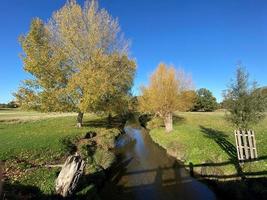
column 39, row 138
column 201, row 136
column 31, row 140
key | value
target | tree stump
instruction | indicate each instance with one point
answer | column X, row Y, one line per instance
column 69, row 175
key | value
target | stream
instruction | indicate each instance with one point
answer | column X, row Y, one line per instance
column 145, row 171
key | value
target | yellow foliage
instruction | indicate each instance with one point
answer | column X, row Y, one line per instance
column 79, row 61
column 168, row 91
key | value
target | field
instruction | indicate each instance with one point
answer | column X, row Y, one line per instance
column 204, row 141
column 200, row 138
column 206, row 144
column 30, row 141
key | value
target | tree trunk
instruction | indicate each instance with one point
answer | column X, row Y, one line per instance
column 69, row 175
column 168, row 122
column 80, row 119
column 109, row 119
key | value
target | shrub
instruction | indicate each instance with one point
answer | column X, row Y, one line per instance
column 245, row 103
column 104, row 158
column 68, row 144
column 107, row 138
column 205, row 101
column 156, row 122
column 177, row 150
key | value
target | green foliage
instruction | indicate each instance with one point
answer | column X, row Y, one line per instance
column 49, row 69
column 155, row 122
column 11, row 104
column 107, row 139
column 245, row 103
column 68, row 144
column 205, row 101
column 103, row 158
column 76, row 68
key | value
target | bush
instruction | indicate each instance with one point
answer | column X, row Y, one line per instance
column 245, row 103
column 68, row 144
column 205, row 101
column 156, row 122
column 104, row 158
column 144, row 119
column 177, row 150
column 87, row 151
column 107, row 138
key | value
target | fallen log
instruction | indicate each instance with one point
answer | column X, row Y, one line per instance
column 69, row 175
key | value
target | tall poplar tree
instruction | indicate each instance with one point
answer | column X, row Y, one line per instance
column 79, row 62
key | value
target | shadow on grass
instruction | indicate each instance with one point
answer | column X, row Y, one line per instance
column 177, row 120
column 107, row 122
column 221, row 139
column 145, row 118
column 105, row 184
column 19, row 191
column 241, row 185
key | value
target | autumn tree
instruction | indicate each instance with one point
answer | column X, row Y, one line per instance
column 79, row 62
column 244, row 102
column 168, row 91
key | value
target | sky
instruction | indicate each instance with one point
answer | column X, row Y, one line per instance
column 206, row 38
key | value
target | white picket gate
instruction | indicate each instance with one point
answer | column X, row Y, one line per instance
column 245, row 145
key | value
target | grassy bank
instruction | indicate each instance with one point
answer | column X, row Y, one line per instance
column 30, row 141
column 205, row 142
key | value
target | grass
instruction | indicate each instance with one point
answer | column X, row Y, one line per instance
column 207, row 138
column 31, row 140
column 206, row 144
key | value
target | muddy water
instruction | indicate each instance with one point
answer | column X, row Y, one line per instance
column 145, row 171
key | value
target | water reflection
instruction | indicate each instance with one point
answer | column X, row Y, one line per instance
column 147, row 172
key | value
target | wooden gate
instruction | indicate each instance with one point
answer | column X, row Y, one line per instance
column 245, row 145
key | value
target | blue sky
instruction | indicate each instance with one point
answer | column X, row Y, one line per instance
column 206, row 38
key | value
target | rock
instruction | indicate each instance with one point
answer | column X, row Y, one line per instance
column 69, row 175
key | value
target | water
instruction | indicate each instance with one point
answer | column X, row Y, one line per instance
column 145, row 171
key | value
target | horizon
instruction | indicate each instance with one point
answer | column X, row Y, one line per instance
column 206, row 39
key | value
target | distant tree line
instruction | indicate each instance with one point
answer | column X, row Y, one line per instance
column 11, row 104
column 205, row 101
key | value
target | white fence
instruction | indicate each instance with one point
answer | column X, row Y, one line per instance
column 245, row 145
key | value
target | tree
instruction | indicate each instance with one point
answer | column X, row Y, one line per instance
column 263, row 91
column 245, row 104
column 205, row 101
column 168, row 91
column 79, row 62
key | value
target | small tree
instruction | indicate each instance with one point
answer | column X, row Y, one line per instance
column 205, row 101
column 245, row 104
column 168, row 91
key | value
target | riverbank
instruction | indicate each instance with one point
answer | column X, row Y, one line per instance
column 32, row 147
column 205, row 143
column 145, row 171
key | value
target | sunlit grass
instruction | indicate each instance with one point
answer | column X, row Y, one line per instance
column 31, row 140
column 195, row 134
